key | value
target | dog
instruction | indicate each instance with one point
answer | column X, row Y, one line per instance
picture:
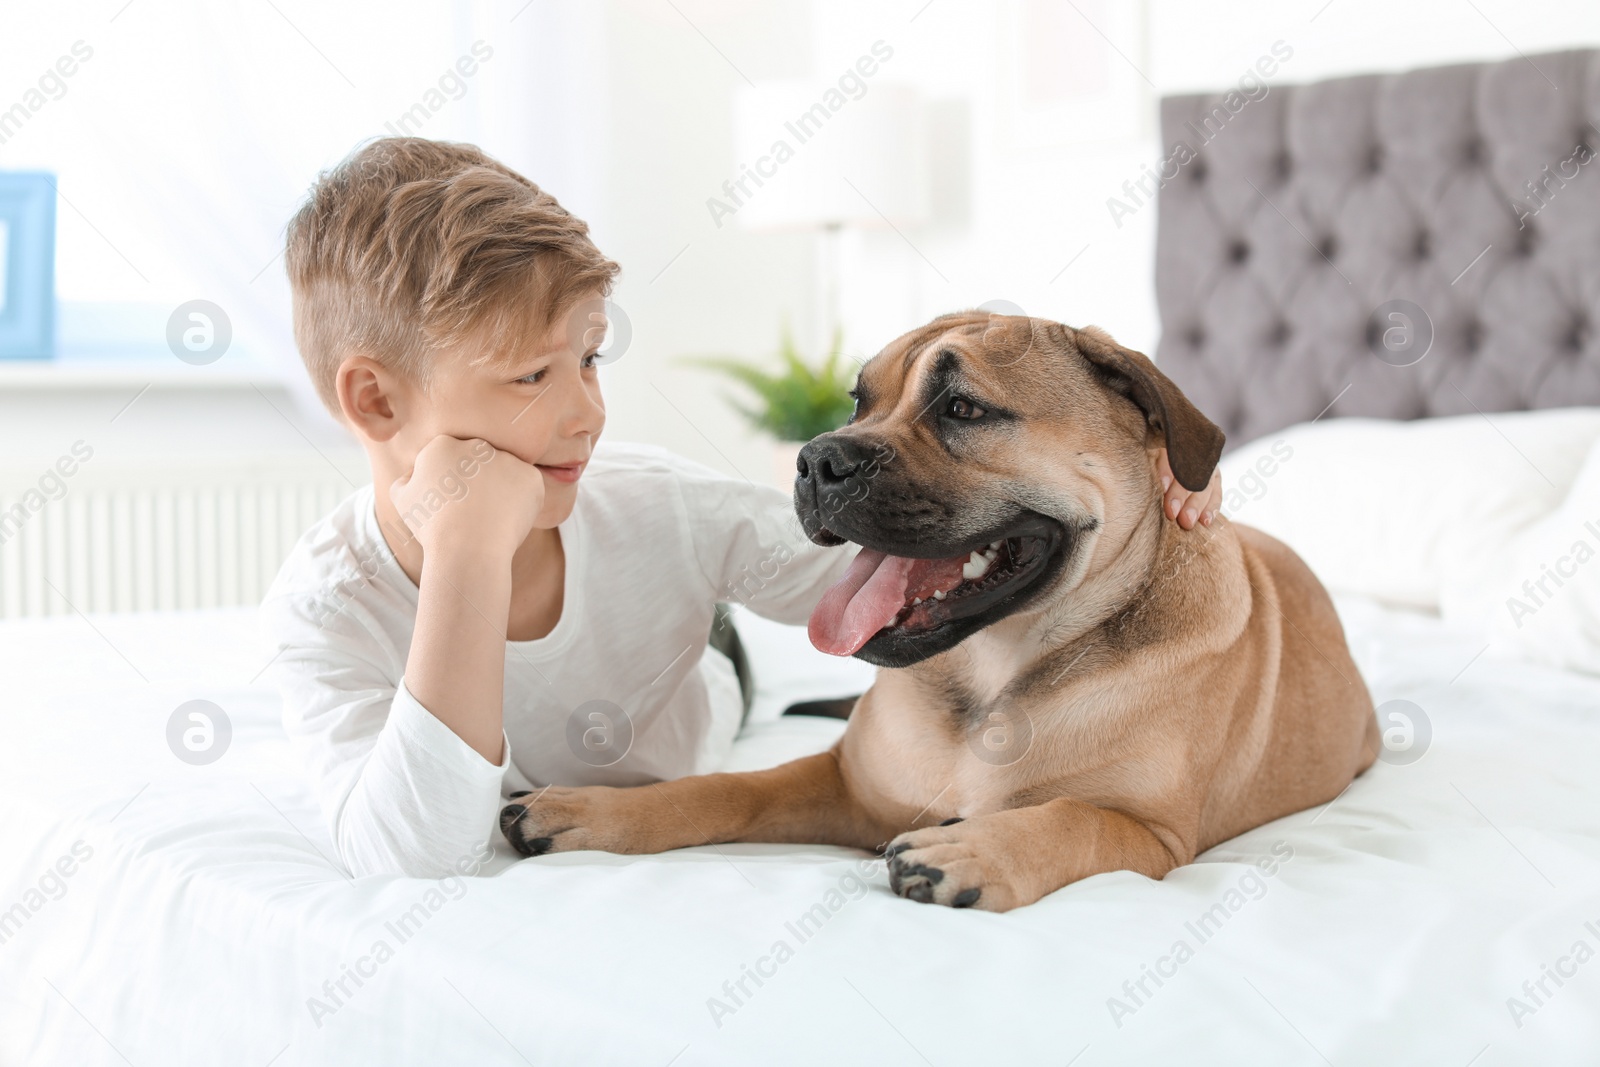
column 1069, row 683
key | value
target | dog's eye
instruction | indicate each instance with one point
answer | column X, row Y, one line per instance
column 962, row 408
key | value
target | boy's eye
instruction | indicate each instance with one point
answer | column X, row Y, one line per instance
column 532, row 379
column 591, row 360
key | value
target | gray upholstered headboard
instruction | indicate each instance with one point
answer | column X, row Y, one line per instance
column 1471, row 192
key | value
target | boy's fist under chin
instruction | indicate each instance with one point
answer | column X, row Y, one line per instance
column 468, row 496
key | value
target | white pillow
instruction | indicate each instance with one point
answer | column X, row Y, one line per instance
column 1542, row 601
column 1399, row 510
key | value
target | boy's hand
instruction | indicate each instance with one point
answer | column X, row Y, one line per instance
column 1189, row 508
column 466, row 494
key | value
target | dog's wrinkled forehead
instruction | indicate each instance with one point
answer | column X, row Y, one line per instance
column 977, row 375
column 995, row 347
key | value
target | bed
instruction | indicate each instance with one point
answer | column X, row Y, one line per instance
column 1444, row 909
column 207, row 918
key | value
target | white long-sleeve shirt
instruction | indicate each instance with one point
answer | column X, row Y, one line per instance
column 654, row 541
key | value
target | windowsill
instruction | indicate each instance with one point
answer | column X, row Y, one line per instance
column 84, row 372
column 106, row 345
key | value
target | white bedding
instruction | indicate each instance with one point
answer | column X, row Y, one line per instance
column 207, row 915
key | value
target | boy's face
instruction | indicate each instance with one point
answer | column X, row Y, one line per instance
column 543, row 407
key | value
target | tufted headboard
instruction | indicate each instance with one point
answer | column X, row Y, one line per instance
column 1414, row 244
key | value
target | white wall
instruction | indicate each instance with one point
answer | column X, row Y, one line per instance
column 689, row 286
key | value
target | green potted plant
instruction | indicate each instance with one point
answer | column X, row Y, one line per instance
column 794, row 404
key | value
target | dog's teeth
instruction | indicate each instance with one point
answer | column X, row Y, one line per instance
column 915, row 601
column 994, row 544
column 938, row 594
column 976, row 566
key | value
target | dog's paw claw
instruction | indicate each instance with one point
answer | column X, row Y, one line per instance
column 561, row 819
column 511, row 819
column 944, row 865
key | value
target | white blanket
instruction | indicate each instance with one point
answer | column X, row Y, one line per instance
column 1446, row 911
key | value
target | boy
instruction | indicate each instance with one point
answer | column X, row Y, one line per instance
column 474, row 622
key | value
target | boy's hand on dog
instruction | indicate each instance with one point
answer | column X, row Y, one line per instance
column 468, row 496
column 1186, row 507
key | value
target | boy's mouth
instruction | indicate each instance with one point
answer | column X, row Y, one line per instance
column 563, row 472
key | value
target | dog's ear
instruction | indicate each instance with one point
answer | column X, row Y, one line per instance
column 1194, row 442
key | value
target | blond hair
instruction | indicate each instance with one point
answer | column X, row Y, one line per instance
column 411, row 246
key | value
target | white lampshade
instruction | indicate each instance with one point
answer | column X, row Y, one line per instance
column 825, row 156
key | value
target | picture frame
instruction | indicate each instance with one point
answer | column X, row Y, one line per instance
column 27, row 265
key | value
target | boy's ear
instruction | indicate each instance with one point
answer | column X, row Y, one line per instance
column 368, row 395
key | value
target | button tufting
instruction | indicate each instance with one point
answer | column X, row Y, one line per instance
column 1328, row 247
column 1423, row 245
column 1197, row 171
column 1472, row 336
column 1279, row 333
column 1472, row 152
column 1195, row 336
column 1282, row 165
column 1375, row 159
column 1238, row 251
column 1525, row 240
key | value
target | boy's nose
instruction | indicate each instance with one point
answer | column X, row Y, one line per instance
column 585, row 412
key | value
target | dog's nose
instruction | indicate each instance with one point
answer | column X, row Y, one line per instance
column 826, row 462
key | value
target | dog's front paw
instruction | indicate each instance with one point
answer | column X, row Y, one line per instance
column 559, row 819
column 958, row 864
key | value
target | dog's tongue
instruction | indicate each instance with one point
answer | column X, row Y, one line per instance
column 864, row 601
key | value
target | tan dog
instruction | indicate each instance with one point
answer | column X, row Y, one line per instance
column 1072, row 683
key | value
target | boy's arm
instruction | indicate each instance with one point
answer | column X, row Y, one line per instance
column 457, row 665
column 399, row 791
column 409, row 773
column 752, row 550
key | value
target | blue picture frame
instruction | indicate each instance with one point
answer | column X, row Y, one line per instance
column 28, row 302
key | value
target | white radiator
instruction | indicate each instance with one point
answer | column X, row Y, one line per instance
column 180, row 533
